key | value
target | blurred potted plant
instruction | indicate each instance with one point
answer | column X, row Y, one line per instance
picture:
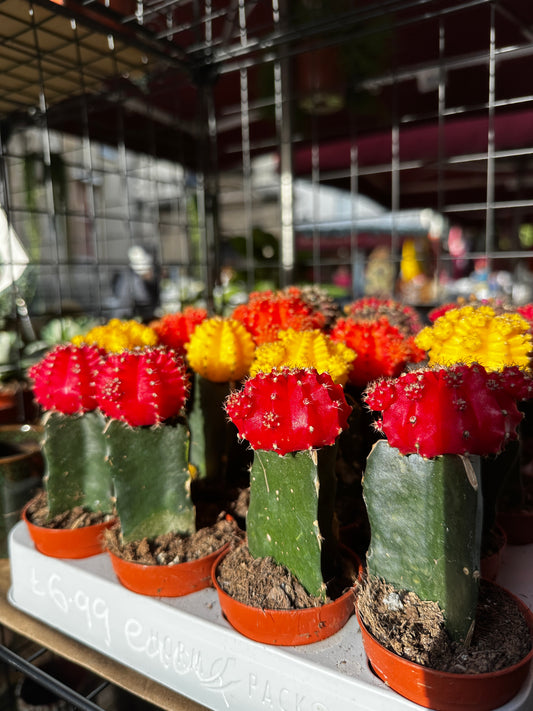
column 21, row 471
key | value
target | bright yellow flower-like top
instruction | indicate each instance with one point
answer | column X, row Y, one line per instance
column 477, row 334
column 117, row 335
column 305, row 349
column 220, row 350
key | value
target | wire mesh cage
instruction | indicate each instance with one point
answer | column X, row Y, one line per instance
column 374, row 148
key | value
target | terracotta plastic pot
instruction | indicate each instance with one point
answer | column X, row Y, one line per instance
column 444, row 691
column 21, row 470
column 165, row 580
column 518, row 526
column 67, row 542
column 286, row 627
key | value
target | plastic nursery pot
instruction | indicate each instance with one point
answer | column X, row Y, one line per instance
column 518, row 526
column 21, row 470
column 286, row 627
column 444, row 691
column 67, row 542
column 173, row 580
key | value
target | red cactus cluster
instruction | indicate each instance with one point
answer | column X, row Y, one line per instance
column 143, row 387
column 381, row 348
column 174, row 330
column 289, row 410
column 404, row 317
column 64, row 380
column 268, row 312
column 457, row 410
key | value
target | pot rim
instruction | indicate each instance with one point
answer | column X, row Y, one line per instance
column 308, row 611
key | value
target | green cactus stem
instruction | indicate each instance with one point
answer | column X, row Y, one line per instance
column 210, row 429
column 291, row 512
column 149, row 467
column 75, row 470
column 426, row 523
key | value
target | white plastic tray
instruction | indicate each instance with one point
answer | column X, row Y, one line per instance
column 187, row 645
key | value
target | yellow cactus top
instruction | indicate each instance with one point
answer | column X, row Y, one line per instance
column 220, row 350
column 477, row 334
column 117, row 335
column 305, row 349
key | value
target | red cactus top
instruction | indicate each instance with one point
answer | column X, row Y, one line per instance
column 143, row 387
column 403, row 316
column 381, row 348
column 64, row 380
column 457, row 410
column 268, row 312
column 174, row 330
column 289, row 410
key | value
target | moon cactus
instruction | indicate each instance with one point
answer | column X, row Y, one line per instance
column 371, row 308
column 143, row 393
column 305, row 349
column 381, row 349
column 220, row 352
column 268, row 312
column 174, row 330
column 117, row 335
column 292, row 418
column 422, row 486
column 73, row 446
column 478, row 334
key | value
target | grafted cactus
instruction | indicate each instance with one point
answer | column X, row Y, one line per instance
column 219, row 351
column 143, row 393
column 497, row 336
column 292, row 418
column 268, row 312
column 175, row 329
column 381, row 349
column 457, row 410
column 371, row 308
column 73, row 445
column 320, row 301
column 305, row 349
column 478, row 334
column 118, row 335
column 422, row 487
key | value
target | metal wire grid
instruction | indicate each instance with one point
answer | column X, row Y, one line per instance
column 206, row 192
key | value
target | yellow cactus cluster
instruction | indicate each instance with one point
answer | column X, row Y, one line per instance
column 305, row 349
column 478, row 334
column 220, row 350
column 117, row 335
